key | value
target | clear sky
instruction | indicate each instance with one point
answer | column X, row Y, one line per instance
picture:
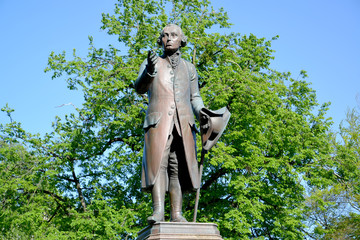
column 321, row 37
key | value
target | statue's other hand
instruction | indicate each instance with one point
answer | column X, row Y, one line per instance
column 152, row 60
column 205, row 123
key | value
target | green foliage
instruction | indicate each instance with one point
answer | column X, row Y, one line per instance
column 83, row 178
column 334, row 211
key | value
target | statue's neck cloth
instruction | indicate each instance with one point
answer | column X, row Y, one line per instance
column 174, row 59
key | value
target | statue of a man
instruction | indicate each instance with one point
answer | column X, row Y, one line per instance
column 169, row 160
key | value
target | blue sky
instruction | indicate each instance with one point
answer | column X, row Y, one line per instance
column 321, row 37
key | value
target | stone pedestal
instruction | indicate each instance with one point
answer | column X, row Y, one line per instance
column 179, row 231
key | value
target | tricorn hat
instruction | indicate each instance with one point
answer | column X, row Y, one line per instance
column 215, row 126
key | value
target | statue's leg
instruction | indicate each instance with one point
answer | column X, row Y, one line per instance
column 174, row 184
column 159, row 188
column 158, row 198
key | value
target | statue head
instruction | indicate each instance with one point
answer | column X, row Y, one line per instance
column 172, row 38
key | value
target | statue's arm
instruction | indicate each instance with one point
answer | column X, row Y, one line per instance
column 196, row 101
column 144, row 79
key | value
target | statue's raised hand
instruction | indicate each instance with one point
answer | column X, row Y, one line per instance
column 151, row 62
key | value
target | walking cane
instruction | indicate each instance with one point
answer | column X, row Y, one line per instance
column 203, row 152
column 214, row 125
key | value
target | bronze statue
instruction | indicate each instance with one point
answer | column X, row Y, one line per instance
column 169, row 160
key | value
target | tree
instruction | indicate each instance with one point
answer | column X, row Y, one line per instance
column 334, row 211
column 251, row 187
column 19, row 185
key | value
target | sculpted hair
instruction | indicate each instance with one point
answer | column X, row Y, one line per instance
column 183, row 37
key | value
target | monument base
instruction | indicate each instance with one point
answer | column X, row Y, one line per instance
column 179, row 231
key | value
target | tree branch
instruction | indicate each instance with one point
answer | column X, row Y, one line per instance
column 65, row 178
column 213, row 178
column 78, row 188
column 56, row 211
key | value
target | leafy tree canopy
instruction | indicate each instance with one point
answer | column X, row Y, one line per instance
column 333, row 212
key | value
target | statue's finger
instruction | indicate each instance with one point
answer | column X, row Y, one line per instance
column 155, row 61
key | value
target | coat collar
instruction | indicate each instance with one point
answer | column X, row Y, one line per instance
column 174, row 59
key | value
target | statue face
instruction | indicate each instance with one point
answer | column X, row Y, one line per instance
column 171, row 40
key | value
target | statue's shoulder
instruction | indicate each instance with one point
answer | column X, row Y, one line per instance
column 191, row 69
column 189, row 66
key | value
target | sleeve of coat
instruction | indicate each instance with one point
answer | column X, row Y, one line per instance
column 144, row 79
column 196, row 101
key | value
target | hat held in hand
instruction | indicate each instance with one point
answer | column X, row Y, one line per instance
column 213, row 124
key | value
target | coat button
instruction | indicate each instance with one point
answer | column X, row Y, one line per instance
column 177, row 100
column 170, row 113
column 172, row 72
column 172, row 79
column 169, row 66
column 173, row 106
